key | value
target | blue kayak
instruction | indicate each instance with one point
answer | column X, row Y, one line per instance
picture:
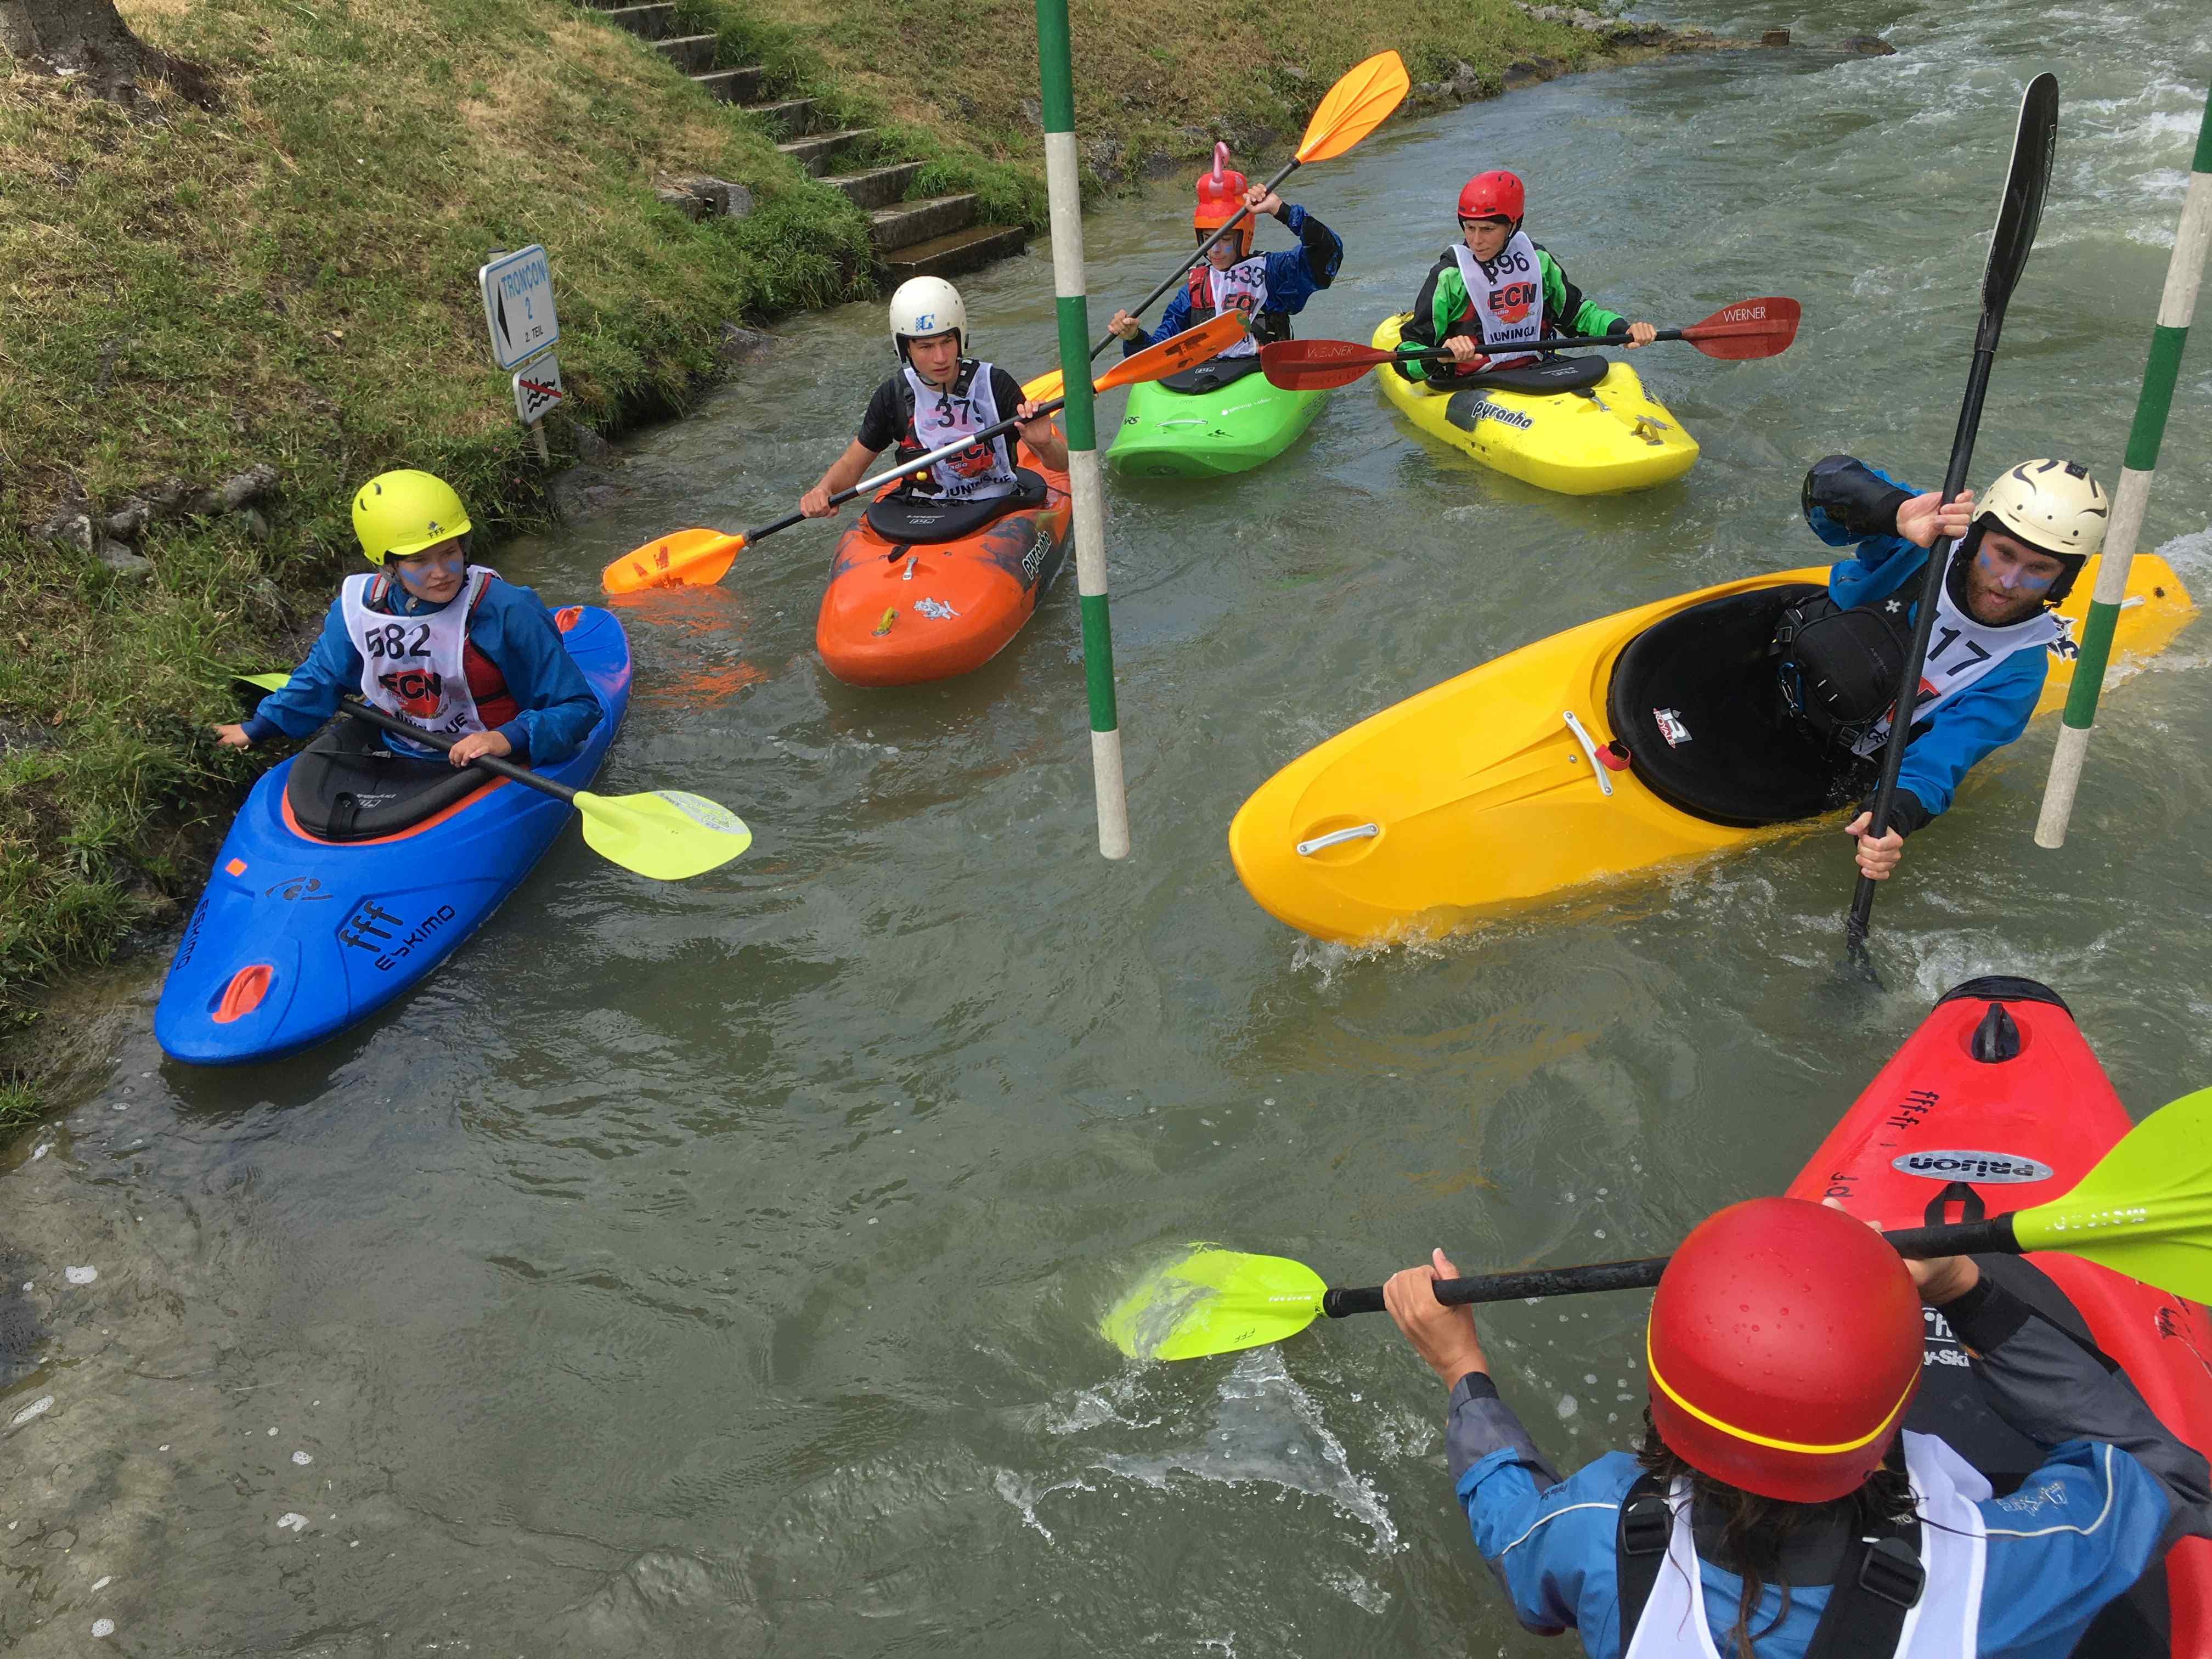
column 349, row 874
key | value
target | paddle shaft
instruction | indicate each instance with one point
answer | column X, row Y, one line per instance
column 491, row 763
column 1993, row 1237
column 1555, row 343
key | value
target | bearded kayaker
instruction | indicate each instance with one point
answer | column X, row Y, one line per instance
column 1996, row 627
column 434, row 640
column 1785, row 1345
column 1269, row 288
column 939, row 396
column 1495, row 289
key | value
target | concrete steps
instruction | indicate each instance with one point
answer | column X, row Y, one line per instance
column 731, row 85
column 961, row 252
column 815, row 153
column 790, row 118
column 692, row 54
column 876, row 187
column 905, row 223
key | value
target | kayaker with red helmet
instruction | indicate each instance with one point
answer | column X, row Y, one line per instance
column 434, row 640
column 939, row 395
column 1269, row 288
column 1495, row 289
column 1784, row 1347
column 1996, row 629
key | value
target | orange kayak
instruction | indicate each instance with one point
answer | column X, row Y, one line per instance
column 924, row 590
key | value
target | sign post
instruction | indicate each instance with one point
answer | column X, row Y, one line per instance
column 518, row 302
column 1056, row 76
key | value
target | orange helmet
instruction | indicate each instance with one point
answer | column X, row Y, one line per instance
column 1220, row 195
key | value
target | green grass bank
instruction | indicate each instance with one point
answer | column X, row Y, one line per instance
column 286, row 283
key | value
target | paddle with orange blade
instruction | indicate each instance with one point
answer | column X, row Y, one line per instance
column 1358, row 104
column 1749, row 328
column 701, row 558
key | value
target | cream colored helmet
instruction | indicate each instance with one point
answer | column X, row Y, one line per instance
column 925, row 306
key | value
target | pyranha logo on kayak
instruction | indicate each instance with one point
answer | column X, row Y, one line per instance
column 1487, row 410
column 417, row 691
column 1994, row 1169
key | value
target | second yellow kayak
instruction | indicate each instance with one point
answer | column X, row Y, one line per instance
column 1565, row 762
column 1600, row 439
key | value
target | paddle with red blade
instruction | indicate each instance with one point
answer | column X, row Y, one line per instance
column 1750, row 328
column 702, row 557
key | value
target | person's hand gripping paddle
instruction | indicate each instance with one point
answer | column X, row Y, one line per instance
column 2145, row 1211
column 665, row 833
column 702, row 557
column 1361, row 101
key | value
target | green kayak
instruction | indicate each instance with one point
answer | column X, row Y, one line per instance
column 1221, row 417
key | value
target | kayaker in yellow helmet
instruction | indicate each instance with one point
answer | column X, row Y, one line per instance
column 939, row 396
column 1841, row 654
column 434, row 640
column 1269, row 288
column 1775, row 1502
column 1495, row 290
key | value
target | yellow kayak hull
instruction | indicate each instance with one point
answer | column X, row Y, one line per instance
column 1614, row 437
column 1477, row 794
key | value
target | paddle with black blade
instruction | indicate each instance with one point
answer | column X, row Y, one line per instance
column 665, row 833
column 1763, row 327
column 2145, row 1211
column 702, row 557
column 1358, row 103
column 2018, row 214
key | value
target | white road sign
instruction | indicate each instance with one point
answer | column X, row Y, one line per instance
column 538, row 389
column 518, row 297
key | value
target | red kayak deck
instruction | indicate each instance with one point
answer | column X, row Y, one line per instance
column 1984, row 1113
column 900, row 613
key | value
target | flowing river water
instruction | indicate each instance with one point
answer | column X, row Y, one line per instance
column 714, row 1268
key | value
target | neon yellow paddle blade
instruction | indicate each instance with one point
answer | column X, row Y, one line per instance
column 1355, row 106
column 1045, row 388
column 267, row 681
column 666, row 834
column 1212, row 1302
column 2146, row 1209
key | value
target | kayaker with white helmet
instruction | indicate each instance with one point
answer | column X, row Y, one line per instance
column 1269, row 288
column 1783, row 1348
column 435, row 640
column 939, row 395
column 1495, row 290
column 2017, row 556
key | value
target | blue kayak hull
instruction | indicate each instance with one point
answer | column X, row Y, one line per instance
column 296, row 937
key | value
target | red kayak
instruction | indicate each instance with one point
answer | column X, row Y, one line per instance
column 926, row 590
column 1994, row 1104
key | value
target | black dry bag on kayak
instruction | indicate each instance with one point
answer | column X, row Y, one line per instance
column 1838, row 666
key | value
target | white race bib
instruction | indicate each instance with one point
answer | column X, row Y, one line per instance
column 982, row 471
column 1961, row 651
column 1508, row 293
column 1242, row 289
column 413, row 666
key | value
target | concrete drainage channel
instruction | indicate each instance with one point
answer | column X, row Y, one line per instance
column 930, row 236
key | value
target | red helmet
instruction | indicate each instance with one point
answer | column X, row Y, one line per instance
column 1220, row 194
column 1488, row 193
column 1784, row 1346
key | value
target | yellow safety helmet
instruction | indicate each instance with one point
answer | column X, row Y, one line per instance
column 405, row 511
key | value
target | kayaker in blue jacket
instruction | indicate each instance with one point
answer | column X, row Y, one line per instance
column 1269, row 288
column 1995, row 630
column 434, row 640
column 1784, row 1344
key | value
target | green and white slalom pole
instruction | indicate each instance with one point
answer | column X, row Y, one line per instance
column 1056, row 81
column 2175, row 307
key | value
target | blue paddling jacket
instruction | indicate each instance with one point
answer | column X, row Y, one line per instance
column 510, row 625
column 1294, row 276
column 1849, row 504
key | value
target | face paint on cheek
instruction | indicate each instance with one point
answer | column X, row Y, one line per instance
column 2010, row 578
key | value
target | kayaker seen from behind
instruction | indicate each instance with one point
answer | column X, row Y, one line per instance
column 939, row 396
column 1841, row 653
column 1784, row 1346
column 1495, row 290
column 434, row 640
column 1269, row 288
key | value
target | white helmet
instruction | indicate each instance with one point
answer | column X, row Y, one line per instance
column 2055, row 506
column 925, row 306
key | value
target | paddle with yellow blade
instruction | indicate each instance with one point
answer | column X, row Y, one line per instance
column 665, row 833
column 2145, row 1211
column 1358, row 104
column 1750, row 328
column 702, row 557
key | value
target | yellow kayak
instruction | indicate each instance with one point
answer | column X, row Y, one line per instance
column 1597, row 435
column 1629, row 742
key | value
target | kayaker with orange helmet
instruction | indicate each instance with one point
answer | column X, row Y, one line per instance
column 1269, row 288
column 939, row 395
column 1494, row 290
column 1784, row 1349
column 1995, row 630
column 434, row 640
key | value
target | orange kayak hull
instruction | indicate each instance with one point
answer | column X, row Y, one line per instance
column 901, row 614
